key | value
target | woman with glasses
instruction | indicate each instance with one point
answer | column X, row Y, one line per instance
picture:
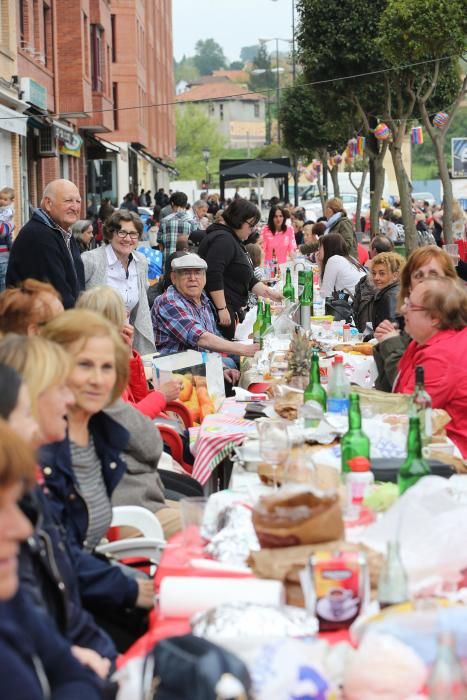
column 118, row 265
column 428, row 262
column 435, row 314
column 230, row 275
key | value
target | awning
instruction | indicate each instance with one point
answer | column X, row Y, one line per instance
column 12, row 121
column 98, row 149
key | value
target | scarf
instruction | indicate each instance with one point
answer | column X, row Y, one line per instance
column 333, row 220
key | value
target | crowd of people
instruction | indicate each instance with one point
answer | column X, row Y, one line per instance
column 78, row 428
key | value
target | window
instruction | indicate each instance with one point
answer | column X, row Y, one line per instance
column 114, row 38
column 256, row 108
column 97, row 58
column 115, row 104
column 221, row 112
column 47, row 30
column 22, row 22
column 86, row 43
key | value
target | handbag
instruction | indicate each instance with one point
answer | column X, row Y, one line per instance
column 191, row 668
column 339, row 306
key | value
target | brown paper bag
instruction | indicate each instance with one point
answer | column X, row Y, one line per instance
column 298, row 518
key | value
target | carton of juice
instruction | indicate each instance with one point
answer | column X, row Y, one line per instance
column 340, row 581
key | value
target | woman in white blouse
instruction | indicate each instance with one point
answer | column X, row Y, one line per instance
column 118, row 265
column 339, row 272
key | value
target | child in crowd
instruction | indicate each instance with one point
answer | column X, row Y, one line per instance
column 7, row 213
column 257, row 258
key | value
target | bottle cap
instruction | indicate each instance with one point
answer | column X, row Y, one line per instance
column 359, row 464
column 338, row 358
column 346, row 326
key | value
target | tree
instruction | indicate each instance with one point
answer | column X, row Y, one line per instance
column 195, row 131
column 185, row 70
column 436, row 82
column 209, row 56
column 247, row 53
column 261, row 77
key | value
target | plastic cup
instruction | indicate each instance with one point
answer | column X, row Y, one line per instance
column 451, row 249
column 192, row 514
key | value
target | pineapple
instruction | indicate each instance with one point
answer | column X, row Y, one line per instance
column 299, row 358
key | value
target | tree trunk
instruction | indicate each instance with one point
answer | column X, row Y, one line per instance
column 438, row 143
column 411, row 238
column 359, row 191
column 335, row 180
column 376, row 193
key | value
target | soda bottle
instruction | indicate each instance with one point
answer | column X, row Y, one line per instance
column 288, row 291
column 414, row 466
column 258, row 323
column 446, row 679
column 422, row 406
column 354, row 443
column 306, row 302
column 392, row 584
column 338, row 387
column 314, row 390
column 266, row 318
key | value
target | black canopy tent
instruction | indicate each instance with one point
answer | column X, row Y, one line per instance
column 230, row 169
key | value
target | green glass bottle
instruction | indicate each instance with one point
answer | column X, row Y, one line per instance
column 258, row 323
column 414, row 466
column 422, row 406
column 301, row 281
column 354, row 443
column 306, row 303
column 288, row 291
column 267, row 322
column 314, row 390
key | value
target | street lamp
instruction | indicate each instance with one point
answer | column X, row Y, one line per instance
column 206, row 156
column 278, row 85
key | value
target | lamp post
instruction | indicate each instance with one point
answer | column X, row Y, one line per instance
column 206, row 156
column 278, row 70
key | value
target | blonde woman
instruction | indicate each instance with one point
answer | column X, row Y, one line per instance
column 386, row 270
column 108, row 302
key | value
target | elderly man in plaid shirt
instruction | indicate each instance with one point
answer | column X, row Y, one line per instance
column 183, row 318
column 177, row 224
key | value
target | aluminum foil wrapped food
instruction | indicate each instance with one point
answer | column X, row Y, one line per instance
column 236, row 536
column 247, row 620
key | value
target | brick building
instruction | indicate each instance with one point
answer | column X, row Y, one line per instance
column 142, row 75
column 69, row 65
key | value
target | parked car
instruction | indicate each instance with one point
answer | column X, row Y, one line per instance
column 314, row 210
column 424, row 197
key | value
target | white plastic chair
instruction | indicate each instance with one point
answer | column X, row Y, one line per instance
column 149, row 546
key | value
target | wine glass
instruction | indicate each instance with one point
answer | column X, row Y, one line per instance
column 274, row 443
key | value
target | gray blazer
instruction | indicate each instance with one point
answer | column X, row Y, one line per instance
column 95, row 275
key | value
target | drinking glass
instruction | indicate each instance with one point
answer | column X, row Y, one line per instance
column 274, row 443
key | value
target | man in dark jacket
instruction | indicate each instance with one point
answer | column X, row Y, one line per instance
column 45, row 248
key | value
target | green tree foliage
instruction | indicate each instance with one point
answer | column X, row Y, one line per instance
column 195, row 130
column 236, row 65
column 265, row 80
column 209, row 56
column 186, row 70
column 247, row 53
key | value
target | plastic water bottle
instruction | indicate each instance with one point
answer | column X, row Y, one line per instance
column 319, row 304
column 338, row 387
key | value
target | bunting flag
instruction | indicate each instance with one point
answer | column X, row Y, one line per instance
column 416, row 135
column 352, row 146
column 360, row 145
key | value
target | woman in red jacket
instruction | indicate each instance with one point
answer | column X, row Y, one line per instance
column 435, row 316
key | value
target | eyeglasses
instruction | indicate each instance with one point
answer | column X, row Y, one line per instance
column 431, row 275
column 134, row 235
column 251, row 225
column 410, row 306
column 195, row 272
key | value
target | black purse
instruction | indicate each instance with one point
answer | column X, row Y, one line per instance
column 339, row 306
column 190, row 668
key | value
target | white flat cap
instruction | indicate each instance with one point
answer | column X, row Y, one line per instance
column 189, row 261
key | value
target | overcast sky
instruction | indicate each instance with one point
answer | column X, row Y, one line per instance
column 232, row 23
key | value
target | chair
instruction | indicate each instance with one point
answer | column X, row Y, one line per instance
column 148, row 547
column 170, row 436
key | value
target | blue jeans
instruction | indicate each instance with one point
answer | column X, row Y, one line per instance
column 3, row 267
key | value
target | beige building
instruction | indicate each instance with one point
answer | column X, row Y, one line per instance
column 238, row 113
column 12, row 123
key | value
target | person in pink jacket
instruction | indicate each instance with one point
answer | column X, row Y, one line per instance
column 277, row 236
column 435, row 316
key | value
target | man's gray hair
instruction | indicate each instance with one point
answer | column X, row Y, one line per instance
column 200, row 203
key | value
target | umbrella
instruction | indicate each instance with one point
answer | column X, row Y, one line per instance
column 257, row 169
